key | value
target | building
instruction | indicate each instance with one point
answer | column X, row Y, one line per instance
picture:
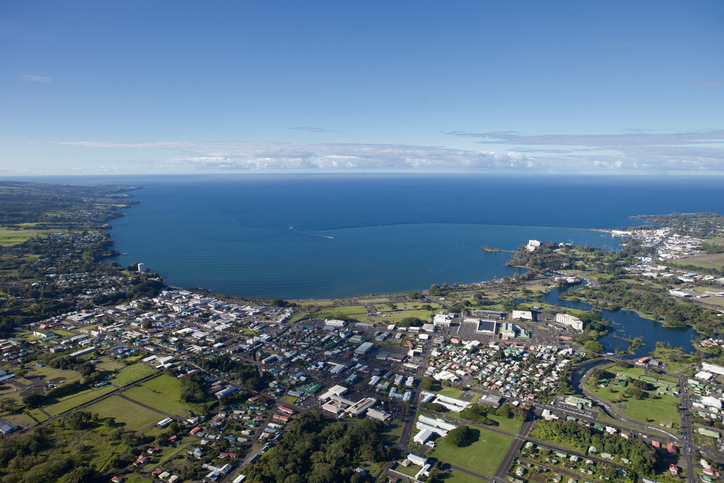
column 443, row 319
column 335, row 322
column 571, row 321
column 364, row 348
column 522, row 315
column 141, row 268
column 7, row 427
column 486, row 326
column 532, row 245
column 712, row 368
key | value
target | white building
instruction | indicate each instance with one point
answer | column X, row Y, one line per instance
column 522, row 315
column 712, row 368
column 335, row 322
column 571, row 321
column 443, row 319
column 141, row 268
column 532, row 245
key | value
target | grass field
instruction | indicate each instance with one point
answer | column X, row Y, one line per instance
column 457, row 477
column 38, row 415
column 162, row 393
column 109, row 365
column 392, row 432
column 511, row 425
column 654, row 409
column 450, row 392
column 48, row 374
column 129, row 375
column 10, row 238
column 640, row 371
column 704, row 261
column 482, row 457
column 676, row 360
column 71, row 403
column 133, row 416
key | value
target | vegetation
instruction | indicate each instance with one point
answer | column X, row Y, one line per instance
column 316, row 451
column 643, row 457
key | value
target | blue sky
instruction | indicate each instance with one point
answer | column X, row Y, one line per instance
column 615, row 87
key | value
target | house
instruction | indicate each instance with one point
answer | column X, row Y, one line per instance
column 140, row 461
column 674, row 469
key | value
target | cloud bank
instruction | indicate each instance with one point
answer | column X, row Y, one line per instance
column 628, row 152
column 293, row 156
column 633, row 150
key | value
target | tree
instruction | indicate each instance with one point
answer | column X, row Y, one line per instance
column 459, row 436
column 593, row 346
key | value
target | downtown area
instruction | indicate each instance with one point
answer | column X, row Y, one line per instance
column 108, row 374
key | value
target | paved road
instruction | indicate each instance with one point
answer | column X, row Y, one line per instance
column 514, row 448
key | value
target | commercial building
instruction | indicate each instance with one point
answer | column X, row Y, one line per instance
column 364, row 348
column 522, row 315
column 571, row 321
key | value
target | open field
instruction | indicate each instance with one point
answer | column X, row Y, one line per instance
column 10, row 237
column 509, row 425
column 109, row 365
column 130, row 374
column 705, row 261
column 162, row 393
column 458, row 477
column 640, row 371
column 450, row 392
column 654, row 409
column 49, row 374
column 133, row 416
column 483, row 456
column 71, row 403
column 392, row 432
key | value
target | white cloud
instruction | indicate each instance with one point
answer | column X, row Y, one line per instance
column 296, row 156
column 37, row 78
column 633, row 150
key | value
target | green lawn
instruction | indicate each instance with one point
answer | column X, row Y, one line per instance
column 482, row 457
column 393, row 432
column 71, row 403
column 352, row 309
column 133, row 416
column 162, row 393
column 109, row 365
column 511, row 425
column 450, row 392
column 38, row 415
column 136, row 372
column 654, row 409
column 458, row 477
column 48, row 373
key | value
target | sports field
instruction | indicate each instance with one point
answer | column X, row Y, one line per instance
column 136, row 372
column 133, row 416
column 482, row 457
column 162, row 393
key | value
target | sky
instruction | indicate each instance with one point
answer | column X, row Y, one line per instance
column 171, row 86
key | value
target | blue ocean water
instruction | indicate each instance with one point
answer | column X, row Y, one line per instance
column 320, row 236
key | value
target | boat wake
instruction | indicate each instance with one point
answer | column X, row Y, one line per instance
column 310, row 234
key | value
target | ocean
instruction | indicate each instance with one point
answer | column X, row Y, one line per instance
column 331, row 236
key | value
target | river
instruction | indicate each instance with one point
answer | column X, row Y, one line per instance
column 629, row 324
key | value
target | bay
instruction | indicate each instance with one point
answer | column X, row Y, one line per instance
column 324, row 236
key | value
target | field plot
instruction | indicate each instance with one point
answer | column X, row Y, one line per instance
column 131, row 374
column 49, row 374
column 108, row 364
column 10, row 237
column 483, row 456
column 74, row 402
column 704, row 261
column 162, row 393
column 124, row 411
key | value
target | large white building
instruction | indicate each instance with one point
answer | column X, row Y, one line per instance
column 571, row 321
column 712, row 368
column 522, row 315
